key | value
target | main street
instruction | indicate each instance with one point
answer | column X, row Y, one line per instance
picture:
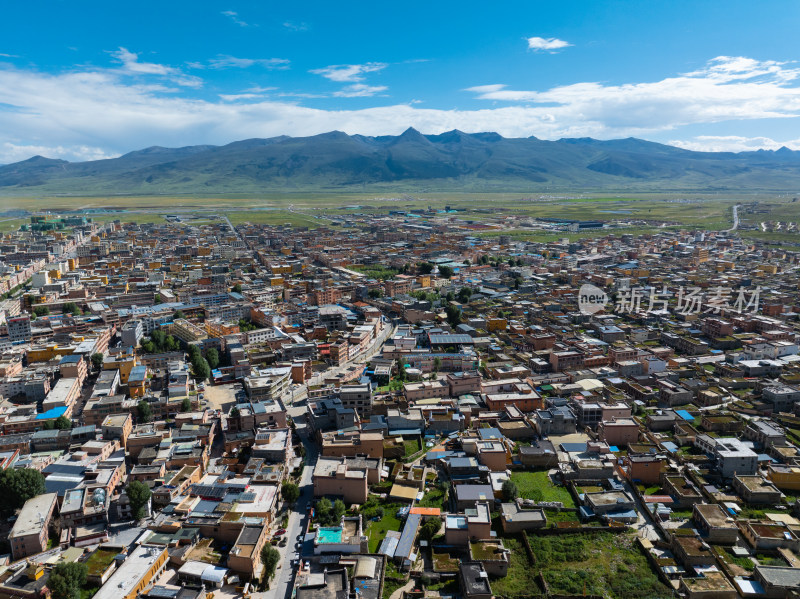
column 283, row 582
column 387, row 332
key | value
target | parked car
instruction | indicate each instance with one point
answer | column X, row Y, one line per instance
column 280, row 531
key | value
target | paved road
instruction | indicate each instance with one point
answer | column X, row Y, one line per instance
column 233, row 229
column 735, row 219
column 377, row 346
column 645, row 525
column 282, row 584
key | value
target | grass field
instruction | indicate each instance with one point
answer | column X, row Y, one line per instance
column 275, row 217
column 537, row 486
column 521, row 578
column 377, row 530
column 433, row 498
column 634, row 213
column 604, row 564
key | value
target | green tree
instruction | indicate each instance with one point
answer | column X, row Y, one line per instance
column 97, row 360
column 430, row 528
column 425, row 268
column 66, row 580
column 212, row 357
column 41, row 310
column 446, row 271
column 237, row 288
column 290, row 492
column 324, row 510
column 375, row 293
column 186, row 405
column 139, row 494
column 148, row 347
column 464, row 294
column 178, row 314
column 201, row 369
column 157, row 300
column 437, row 364
column 71, row 308
column 170, row 344
column 339, row 508
column 144, row 411
column 157, row 337
column 453, row 315
column 234, row 414
column 245, row 325
column 63, row 423
column 17, row 485
column 269, row 558
column 510, row 491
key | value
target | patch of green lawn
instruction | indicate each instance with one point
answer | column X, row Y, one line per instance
column 539, row 487
column 377, row 530
column 521, row 578
column 604, row 564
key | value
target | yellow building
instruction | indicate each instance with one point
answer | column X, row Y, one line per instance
column 45, row 353
column 497, row 324
column 124, row 363
column 786, row 478
column 139, row 570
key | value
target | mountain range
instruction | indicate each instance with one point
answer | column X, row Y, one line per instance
column 449, row 161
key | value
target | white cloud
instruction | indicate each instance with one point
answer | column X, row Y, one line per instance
column 291, row 26
column 10, row 152
column 226, row 62
column 359, row 90
column 132, row 66
column 732, row 143
column 102, row 112
column 546, row 44
column 234, row 16
column 727, row 88
column 237, row 97
column 349, row 73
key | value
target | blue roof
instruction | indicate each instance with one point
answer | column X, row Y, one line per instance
column 52, row 413
column 490, row 433
column 573, row 447
column 406, row 542
column 684, row 414
column 388, row 545
column 670, row 446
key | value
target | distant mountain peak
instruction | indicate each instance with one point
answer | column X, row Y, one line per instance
column 39, row 159
column 449, row 161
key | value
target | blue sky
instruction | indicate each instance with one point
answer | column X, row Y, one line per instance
column 85, row 80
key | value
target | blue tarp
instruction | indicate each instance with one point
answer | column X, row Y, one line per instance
column 52, row 413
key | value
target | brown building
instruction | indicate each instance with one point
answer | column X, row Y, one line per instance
column 30, row 532
column 332, row 477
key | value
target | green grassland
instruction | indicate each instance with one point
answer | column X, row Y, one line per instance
column 604, row 564
column 539, row 487
column 521, row 578
column 511, row 213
